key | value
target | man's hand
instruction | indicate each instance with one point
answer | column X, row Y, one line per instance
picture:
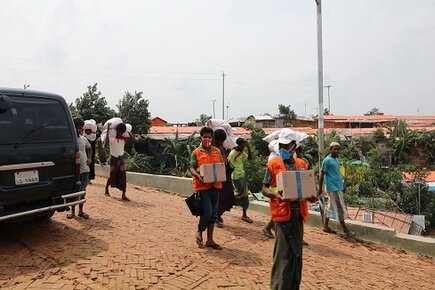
column 200, row 178
column 88, row 161
column 312, row 199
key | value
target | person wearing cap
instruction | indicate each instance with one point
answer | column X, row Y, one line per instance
column 236, row 159
column 335, row 206
column 288, row 217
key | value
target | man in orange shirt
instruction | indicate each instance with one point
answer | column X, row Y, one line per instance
column 209, row 192
column 288, row 216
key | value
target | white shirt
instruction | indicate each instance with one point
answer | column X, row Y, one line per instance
column 116, row 147
column 83, row 145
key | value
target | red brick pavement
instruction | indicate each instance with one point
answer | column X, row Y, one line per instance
column 148, row 243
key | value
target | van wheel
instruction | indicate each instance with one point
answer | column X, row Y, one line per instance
column 45, row 216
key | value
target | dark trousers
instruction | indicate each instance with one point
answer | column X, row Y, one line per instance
column 287, row 254
column 210, row 202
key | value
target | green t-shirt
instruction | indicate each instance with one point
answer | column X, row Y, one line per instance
column 236, row 159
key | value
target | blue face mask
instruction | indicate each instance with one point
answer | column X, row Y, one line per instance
column 284, row 154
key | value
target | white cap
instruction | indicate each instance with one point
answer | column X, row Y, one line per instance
column 333, row 144
column 286, row 139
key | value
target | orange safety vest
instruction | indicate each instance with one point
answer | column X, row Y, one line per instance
column 205, row 157
column 280, row 210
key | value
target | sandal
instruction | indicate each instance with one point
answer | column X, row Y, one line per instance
column 247, row 219
column 214, row 246
column 70, row 216
column 350, row 235
column 124, row 198
column 267, row 233
column 107, row 194
column 83, row 215
column 198, row 240
column 329, row 231
column 304, row 243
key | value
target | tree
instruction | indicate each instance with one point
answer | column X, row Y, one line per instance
column 133, row 109
column 373, row 112
column 91, row 105
column 288, row 113
column 203, row 118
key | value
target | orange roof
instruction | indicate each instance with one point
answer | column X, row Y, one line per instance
column 417, row 118
column 360, row 118
column 429, row 178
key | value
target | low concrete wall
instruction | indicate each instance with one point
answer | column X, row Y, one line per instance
column 365, row 231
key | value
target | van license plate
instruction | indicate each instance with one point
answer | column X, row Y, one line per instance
column 26, row 177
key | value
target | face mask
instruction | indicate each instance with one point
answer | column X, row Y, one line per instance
column 91, row 137
column 206, row 142
column 284, row 154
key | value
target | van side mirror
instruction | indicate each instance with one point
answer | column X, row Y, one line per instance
column 5, row 103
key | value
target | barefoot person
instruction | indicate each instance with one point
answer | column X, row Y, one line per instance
column 335, row 207
column 237, row 158
column 209, row 192
column 85, row 159
column 118, row 176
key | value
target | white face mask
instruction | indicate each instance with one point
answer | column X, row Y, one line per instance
column 91, row 137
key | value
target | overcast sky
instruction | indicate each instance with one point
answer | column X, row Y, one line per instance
column 377, row 53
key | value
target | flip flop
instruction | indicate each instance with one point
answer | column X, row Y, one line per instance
column 199, row 241
column 329, row 231
column 125, row 198
column 350, row 235
column 267, row 233
column 214, row 246
column 70, row 216
column 83, row 215
column 247, row 219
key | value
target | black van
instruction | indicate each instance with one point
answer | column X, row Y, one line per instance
column 39, row 158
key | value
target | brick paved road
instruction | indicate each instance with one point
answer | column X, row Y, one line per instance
column 148, row 244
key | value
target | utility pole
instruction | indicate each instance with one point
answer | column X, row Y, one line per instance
column 214, row 112
column 223, row 95
column 321, row 122
column 329, row 100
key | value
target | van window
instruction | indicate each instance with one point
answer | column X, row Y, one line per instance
column 34, row 120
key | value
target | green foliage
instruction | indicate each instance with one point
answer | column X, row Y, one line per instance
column 133, row 109
column 373, row 112
column 176, row 156
column 255, row 170
column 257, row 135
column 203, row 118
column 408, row 202
column 288, row 113
column 137, row 162
column 91, row 105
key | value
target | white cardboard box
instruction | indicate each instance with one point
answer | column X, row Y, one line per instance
column 214, row 172
column 296, row 185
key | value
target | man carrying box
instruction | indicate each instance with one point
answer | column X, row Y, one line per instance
column 335, row 207
column 288, row 216
column 206, row 155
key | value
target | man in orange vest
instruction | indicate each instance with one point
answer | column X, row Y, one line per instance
column 288, row 216
column 209, row 192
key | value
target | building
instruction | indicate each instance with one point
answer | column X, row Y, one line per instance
column 157, row 121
